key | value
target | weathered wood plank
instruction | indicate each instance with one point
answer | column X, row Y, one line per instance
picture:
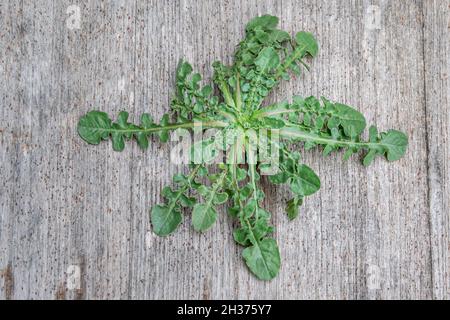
column 67, row 207
column 57, row 70
column 395, row 231
column 437, row 85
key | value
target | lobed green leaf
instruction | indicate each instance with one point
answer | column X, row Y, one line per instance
column 165, row 220
column 203, row 217
column 263, row 258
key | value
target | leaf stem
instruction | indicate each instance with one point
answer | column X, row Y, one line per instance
column 251, row 156
column 172, row 126
column 223, row 86
column 252, row 168
column 237, row 93
column 299, row 133
column 217, row 185
column 292, row 57
column 263, row 113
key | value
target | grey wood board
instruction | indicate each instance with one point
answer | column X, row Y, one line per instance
column 74, row 217
column 437, row 84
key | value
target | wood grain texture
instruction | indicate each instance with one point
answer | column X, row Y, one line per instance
column 437, row 85
column 74, row 218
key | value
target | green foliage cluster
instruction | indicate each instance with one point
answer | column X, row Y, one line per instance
column 265, row 57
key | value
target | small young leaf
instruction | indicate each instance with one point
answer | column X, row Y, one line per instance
column 250, row 208
column 220, row 198
column 118, row 142
column 241, row 236
column 369, row 157
column 348, row 153
column 187, row 202
column 373, row 134
column 327, row 150
column 265, row 22
column 206, row 91
column 292, row 207
column 164, row 134
column 241, row 174
column 142, row 140
column 183, row 70
column 261, row 227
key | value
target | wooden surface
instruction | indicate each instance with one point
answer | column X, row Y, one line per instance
column 74, row 218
